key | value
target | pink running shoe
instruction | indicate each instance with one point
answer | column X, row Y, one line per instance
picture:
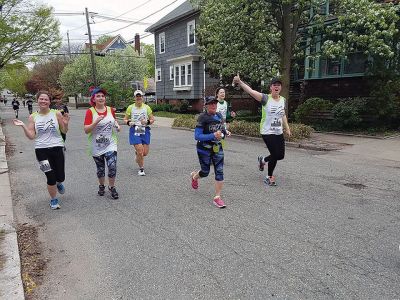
column 219, row 202
column 195, row 182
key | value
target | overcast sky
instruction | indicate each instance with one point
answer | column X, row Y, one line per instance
column 123, row 9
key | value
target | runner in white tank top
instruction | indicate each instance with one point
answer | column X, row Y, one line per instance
column 273, row 122
column 45, row 127
column 100, row 125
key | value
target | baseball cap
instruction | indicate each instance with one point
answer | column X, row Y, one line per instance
column 95, row 90
column 276, row 80
column 211, row 99
column 138, row 92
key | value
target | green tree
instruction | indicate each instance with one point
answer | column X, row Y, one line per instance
column 16, row 79
column 3, row 78
column 261, row 38
column 26, row 27
column 102, row 39
column 148, row 52
column 116, row 70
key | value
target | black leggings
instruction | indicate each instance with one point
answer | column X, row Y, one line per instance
column 55, row 157
column 276, row 146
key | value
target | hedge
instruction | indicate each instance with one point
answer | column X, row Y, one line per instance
column 299, row 131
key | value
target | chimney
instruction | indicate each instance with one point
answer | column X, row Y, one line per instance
column 137, row 43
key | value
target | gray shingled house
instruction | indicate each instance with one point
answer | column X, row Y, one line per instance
column 180, row 73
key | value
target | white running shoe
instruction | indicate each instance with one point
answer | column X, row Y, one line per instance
column 141, row 173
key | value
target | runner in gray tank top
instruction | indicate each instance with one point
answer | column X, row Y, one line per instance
column 45, row 127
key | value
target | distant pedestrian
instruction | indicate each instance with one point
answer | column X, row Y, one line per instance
column 223, row 106
column 273, row 123
column 139, row 117
column 23, row 102
column 15, row 104
column 29, row 103
column 44, row 127
column 58, row 104
column 101, row 126
column 210, row 133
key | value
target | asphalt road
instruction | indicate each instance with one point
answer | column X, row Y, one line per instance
column 329, row 230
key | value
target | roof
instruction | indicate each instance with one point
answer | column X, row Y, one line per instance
column 183, row 10
column 106, row 44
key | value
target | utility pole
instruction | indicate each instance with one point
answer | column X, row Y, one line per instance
column 69, row 46
column 91, row 48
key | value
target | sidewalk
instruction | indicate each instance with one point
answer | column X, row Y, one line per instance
column 10, row 266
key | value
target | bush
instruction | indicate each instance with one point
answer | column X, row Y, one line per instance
column 249, row 118
column 347, row 115
column 247, row 115
column 160, row 107
column 310, row 106
column 185, row 121
column 299, row 131
column 244, row 113
column 245, row 128
column 184, row 107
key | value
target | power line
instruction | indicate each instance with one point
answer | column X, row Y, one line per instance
column 116, row 19
column 129, row 11
column 133, row 23
column 82, row 53
column 67, row 14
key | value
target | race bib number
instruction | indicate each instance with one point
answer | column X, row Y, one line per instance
column 139, row 130
column 44, row 165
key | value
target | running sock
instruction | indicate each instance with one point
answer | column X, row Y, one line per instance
column 141, row 169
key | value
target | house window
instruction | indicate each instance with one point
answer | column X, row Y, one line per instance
column 171, row 72
column 177, row 77
column 331, row 67
column 189, row 74
column 158, row 74
column 190, row 33
column 355, row 63
column 161, row 40
column 183, row 75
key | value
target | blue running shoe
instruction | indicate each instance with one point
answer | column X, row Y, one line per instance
column 54, row 204
column 61, row 188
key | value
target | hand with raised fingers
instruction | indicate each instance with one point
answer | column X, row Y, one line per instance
column 18, row 122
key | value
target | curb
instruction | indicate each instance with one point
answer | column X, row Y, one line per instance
column 360, row 135
column 10, row 274
column 306, row 146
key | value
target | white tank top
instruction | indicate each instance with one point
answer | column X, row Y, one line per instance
column 103, row 139
column 47, row 130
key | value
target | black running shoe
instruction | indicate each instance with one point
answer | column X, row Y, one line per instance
column 261, row 163
column 114, row 193
column 102, row 190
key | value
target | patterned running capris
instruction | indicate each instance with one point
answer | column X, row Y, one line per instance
column 111, row 159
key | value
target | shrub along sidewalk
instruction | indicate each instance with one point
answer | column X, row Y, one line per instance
column 249, row 129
